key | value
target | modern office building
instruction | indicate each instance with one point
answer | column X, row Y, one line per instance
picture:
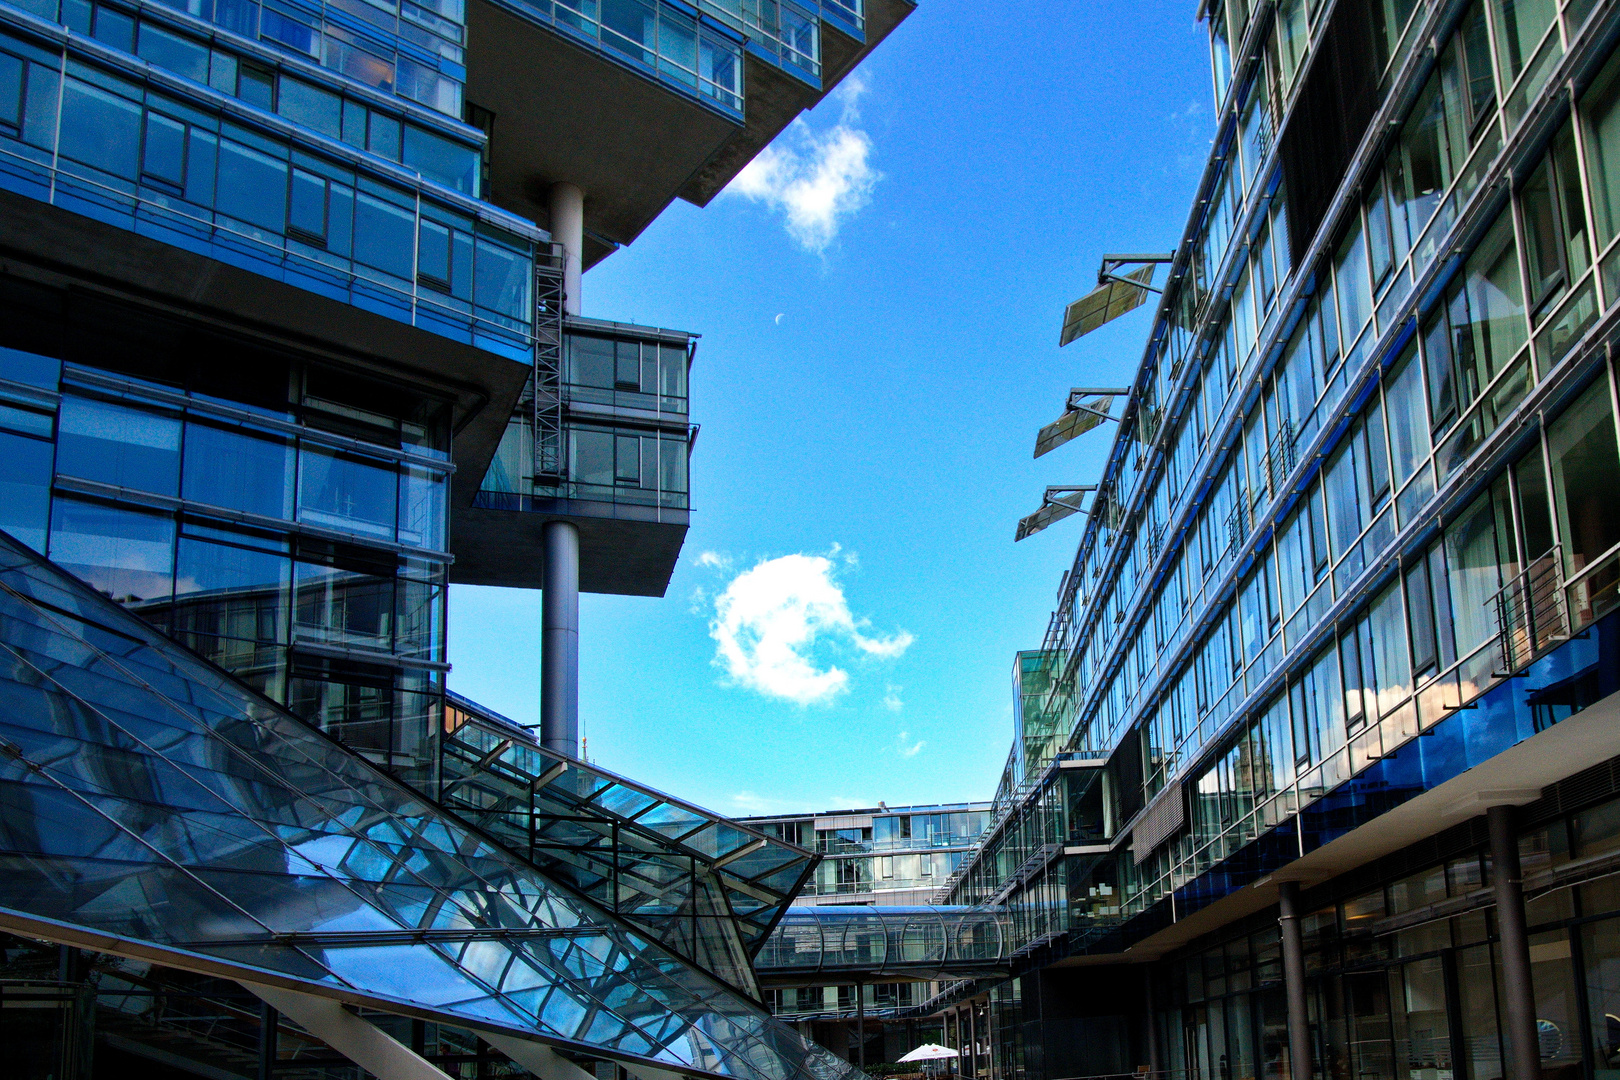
column 892, row 858
column 1335, row 673
column 290, row 339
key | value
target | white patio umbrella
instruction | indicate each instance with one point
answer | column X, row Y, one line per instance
column 931, row 1052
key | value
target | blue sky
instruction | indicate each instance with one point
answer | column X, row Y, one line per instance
column 879, row 299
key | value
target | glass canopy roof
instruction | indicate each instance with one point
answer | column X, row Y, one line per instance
column 706, row 888
column 151, row 804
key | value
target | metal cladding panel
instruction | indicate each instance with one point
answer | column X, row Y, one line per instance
column 155, row 807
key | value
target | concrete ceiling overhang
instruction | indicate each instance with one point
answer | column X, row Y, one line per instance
column 58, row 248
column 631, row 143
column 623, row 550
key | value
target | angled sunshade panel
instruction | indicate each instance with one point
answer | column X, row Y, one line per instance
column 153, row 807
column 1104, row 304
column 1072, row 424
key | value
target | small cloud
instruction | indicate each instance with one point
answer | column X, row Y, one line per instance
column 891, row 698
column 773, row 621
column 911, row 750
column 714, row 560
column 752, row 803
column 779, row 317
column 698, row 602
column 817, row 179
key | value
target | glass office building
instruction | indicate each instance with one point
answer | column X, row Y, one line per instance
column 290, row 340
column 1316, row 773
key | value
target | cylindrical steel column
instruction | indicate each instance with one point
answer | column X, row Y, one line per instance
column 1150, row 1028
column 1293, row 962
column 559, row 638
column 1518, row 993
column 860, row 1026
column 568, row 229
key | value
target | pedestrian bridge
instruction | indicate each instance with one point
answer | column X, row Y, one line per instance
column 868, row 944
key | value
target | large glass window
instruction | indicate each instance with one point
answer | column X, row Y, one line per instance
column 25, row 488
column 127, row 555
column 239, row 469
column 1586, row 475
column 347, row 491
column 119, row 445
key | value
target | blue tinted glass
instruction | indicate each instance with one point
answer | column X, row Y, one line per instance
column 125, row 554
column 433, row 254
column 384, row 138
column 118, row 445
column 30, row 368
column 311, row 106
column 179, row 54
column 421, row 508
column 25, row 489
column 100, row 129
column 201, row 161
column 307, row 212
column 502, row 280
column 237, row 469
column 231, row 592
column 347, row 491
column 354, row 124
column 11, row 90
column 165, row 156
column 343, row 608
column 256, row 87
column 436, row 158
column 115, row 29
column 75, row 15
column 252, row 186
column 384, row 235
column 242, row 16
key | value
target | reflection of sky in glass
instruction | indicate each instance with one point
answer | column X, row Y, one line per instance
column 127, row 738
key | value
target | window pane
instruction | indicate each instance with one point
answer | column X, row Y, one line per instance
column 502, row 280
column 100, row 128
column 347, row 491
column 179, row 54
column 1586, row 476
column 165, row 155
column 1601, row 108
column 628, row 457
column 242, row 470
column 127, row 555
column 421, row 507
column 593, row 457
column 252, row 186
column 1473, row 574
column 118, row 445
column 307, row 212
column 384, row 235
column 1408, row 428
column 25, row 489
column 343, row 607
column 311, row 106
column 592, row 362
column 451, row 164
column 1388, row 626
column 224, row 591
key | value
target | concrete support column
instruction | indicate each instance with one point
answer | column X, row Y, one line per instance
column 568, row 229
column 1518, row 993
column 1150, row 1028
column 860, row 1027
column 1293, row 962
column 559, row 638
column 267, row 1040
column 367, row 1045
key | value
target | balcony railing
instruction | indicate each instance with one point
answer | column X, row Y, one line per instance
column 1532, row 613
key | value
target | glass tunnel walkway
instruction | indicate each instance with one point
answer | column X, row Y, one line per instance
column 887, row 942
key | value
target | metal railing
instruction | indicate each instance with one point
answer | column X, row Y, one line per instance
column 1532, row 614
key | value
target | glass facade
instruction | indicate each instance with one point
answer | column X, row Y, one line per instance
column 150, row 797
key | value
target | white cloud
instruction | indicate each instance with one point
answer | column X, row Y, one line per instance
column 911, row 750
column 714, row 559
column 817, row 179
column 770, row 620
column 891, row 698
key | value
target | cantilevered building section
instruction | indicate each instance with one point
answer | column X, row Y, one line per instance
column 292, row 337
column 1333, row 683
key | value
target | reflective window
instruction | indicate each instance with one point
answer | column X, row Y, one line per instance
column 1586, row 475
column 25, row 489
column 229, row 591
column 239, row 469
column 100, row 128
column 347, row 491
column 127, row 555
column 119, row 445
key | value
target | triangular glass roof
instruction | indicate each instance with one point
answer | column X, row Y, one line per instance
column 151, row 805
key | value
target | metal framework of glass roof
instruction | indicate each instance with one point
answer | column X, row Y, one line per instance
column 916, row 942
column 706, row 888
column 153, row 807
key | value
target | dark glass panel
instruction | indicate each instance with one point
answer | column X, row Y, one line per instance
column 225, row 591
column 252, row 186
column 118, row 445
column 180, row 55
column 25, row 489
column 437, row 158
column 306, row 211
column 164, row 157
column 384, row 235
column 343, row 607
column 310, row 106
column 127, row 555
column 347, row 491
column 101, row 129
